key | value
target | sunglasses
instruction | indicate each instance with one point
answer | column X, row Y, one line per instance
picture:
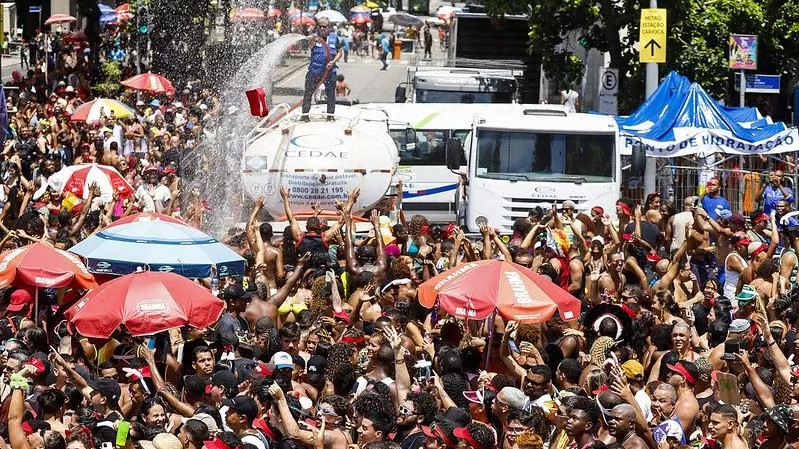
column 405, row 411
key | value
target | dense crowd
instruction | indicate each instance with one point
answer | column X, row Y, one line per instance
column 687, row 335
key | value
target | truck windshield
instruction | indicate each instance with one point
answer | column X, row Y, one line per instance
column 451, row 96
column 545, row 156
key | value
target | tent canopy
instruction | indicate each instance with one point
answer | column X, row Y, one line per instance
column 681, row 119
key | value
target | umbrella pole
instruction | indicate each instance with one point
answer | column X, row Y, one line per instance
column 490, row 324
column 36, row 306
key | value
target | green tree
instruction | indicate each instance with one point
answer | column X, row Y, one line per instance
column 698, row 38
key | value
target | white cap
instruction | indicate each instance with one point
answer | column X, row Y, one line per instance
column 203, row 106
column 598, row 238
column 69, row 89
column 177, row 105
column 282, row 360
column 139, row 103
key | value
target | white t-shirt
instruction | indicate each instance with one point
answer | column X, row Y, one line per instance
column 570, row 100
column 645, row 403
column 162, row 194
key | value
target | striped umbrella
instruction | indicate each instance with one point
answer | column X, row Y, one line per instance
column 92, row 111
column 150, row 82
column 77, row 179
column 123, row 12
column 248, row 14
column 60, row 18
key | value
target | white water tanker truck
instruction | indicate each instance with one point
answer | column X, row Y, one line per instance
column 319, row 158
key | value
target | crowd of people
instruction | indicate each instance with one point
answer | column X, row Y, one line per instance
column 687, row 335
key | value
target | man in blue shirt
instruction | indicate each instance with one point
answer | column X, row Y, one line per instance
column 385, row 48
column 712, row 201
column 774, row 191
column 324, row 56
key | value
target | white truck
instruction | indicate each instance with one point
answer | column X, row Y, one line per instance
column 458, row 85
column 319, row 158
column 535, row 155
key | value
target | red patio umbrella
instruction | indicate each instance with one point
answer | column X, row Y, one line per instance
column 145, row 303
column 124, row 13
column 248, row 14
column 42, row 265
column 149, row 82
column 273, row 13
column 60, row 18
column 77, row 36
column 476, row 289
column 302, row 20
column 145, row 216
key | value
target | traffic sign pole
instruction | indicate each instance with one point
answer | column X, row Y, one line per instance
column 649, row 49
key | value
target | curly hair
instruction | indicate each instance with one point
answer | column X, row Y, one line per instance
column 425, row 406
column 528, row 332
column 415, row 225
column 320, row 305
column 339, row 357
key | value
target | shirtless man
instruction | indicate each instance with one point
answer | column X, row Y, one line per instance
column 723, row 427
column 259, row 307
column 621, row 426
column 609, row 283
column 682, row 376
column 268, row 258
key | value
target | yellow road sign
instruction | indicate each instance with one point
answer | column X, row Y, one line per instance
column 652, row 42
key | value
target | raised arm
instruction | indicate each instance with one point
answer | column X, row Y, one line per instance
column 278, row 298
column 296, row 233
column 250, row 230
column 160, row 386
column 380, row 252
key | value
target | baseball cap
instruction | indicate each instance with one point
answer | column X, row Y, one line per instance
column 739, row 325
column 69, row 89
column 724, row 214
column 513, row 398
column 761, row 217
column 19, row 299
column 140, row 103
column 209, row 421
column 109, row 388
column 741, row 240
column 170, row 169
column 756, row 248
column 746, row 296
column 156, row 103
column 685, row 369
column 598, row 239
column 162, row 441
column 283, row 360
column 737, row 219
column 215, row 443
column 568, row 204
column 236, row 291
column 633, row 369
column 315, row 369
column 477, row 441
column 177, row 105
column 243, row 405
column 225, row 379
column 454, row 416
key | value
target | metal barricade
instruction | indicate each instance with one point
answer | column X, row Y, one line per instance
column 741, row 179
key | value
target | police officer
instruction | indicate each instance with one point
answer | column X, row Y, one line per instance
column 324, row 55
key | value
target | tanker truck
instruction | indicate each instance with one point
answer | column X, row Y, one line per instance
column 319, row 158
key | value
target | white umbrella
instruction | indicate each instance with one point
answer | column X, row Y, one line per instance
column 331, row 15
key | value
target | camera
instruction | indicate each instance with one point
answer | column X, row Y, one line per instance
column 732, row 347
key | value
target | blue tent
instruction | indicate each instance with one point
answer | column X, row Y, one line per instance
column 681, row 119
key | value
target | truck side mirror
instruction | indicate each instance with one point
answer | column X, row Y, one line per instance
column 400, row 94
column 453, row 154
column 638, row 162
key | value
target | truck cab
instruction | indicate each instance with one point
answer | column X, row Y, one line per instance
column 458, row 85
column 536, row 155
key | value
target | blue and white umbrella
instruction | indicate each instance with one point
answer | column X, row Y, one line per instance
column 107, row 14
column 157, row 244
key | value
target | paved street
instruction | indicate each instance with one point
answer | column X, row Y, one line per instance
column 368, row 83
column 10, row 63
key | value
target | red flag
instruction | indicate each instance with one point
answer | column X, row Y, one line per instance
column 257, row 99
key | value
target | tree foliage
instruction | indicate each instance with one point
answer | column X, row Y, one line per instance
column 698, row 38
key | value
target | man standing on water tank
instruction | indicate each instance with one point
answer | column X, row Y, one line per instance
column 324, row 55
